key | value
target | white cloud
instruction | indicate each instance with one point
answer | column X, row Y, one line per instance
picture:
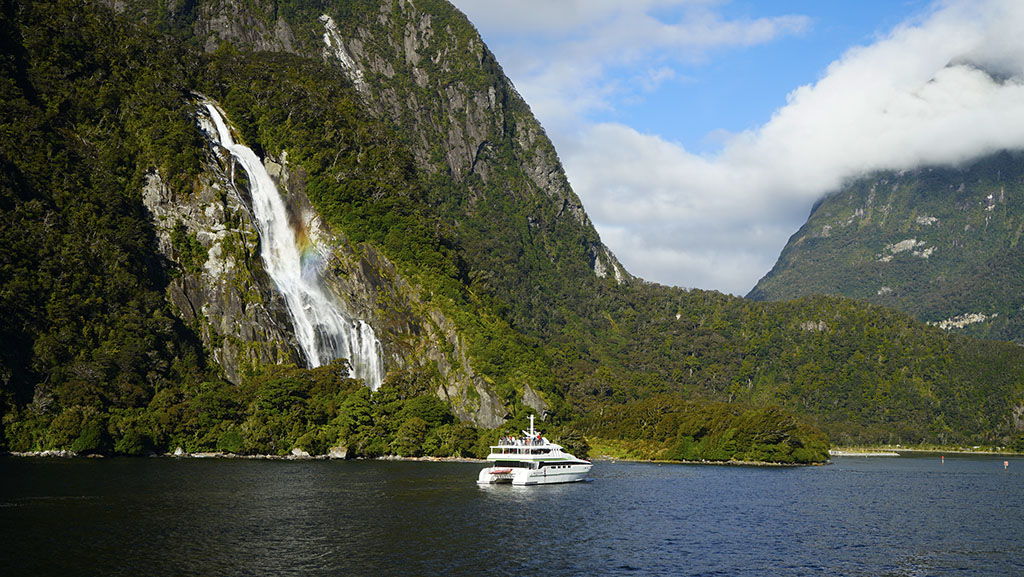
column 653, row 78
column 943, row 89
column 916, row 96
column 560, row 53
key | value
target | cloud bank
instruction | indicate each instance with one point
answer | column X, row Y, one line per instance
column 945, row 88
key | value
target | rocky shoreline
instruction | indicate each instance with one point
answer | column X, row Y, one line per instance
column 335, row 454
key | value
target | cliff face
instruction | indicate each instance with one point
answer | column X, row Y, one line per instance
column 465, row 118
column 226, row 293
column 941, row 243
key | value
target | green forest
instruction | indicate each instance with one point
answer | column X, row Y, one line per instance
column 96, row 360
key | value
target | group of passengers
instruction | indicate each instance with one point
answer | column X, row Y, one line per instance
column 525, row 441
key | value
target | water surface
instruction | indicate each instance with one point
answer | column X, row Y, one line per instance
column 163, row 516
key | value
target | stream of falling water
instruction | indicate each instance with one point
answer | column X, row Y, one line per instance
column 323, row 332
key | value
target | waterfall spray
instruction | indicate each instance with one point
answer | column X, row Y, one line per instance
column 323, row 332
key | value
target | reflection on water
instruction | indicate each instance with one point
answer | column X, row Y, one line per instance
column 858, row 516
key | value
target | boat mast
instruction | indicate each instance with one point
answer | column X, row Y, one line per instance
column 532, row 433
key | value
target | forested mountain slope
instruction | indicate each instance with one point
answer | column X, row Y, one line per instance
column 941, row 243
column 139, row 314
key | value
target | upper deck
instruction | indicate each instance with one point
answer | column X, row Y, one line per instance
column 531, row 446
column 527, row 450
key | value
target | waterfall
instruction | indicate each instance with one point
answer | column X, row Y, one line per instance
column 323, row 332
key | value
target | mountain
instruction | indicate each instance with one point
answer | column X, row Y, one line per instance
column 939, row 242
column 259, row 225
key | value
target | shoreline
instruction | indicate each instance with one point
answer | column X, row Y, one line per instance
column 868, row 452
column 62, row 454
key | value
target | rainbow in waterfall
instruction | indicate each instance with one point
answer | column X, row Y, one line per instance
column 293, row 261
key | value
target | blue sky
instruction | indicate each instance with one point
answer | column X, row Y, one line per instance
column 698, row 133
column 738, row 88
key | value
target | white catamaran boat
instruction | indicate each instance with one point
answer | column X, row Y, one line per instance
column 531, row 460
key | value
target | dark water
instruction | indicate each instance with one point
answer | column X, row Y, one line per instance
column 880, row 516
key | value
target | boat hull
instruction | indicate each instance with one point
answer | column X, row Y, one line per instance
column 541, row 476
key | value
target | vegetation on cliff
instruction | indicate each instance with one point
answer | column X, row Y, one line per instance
column 87, row 107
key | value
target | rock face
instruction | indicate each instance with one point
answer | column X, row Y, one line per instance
column 940, row 243
column 223, row 289
column 464, row 116
column 227, row 22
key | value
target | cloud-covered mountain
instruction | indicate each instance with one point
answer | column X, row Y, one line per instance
column 940, row 242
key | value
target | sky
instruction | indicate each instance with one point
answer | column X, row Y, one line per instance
column 699, row 133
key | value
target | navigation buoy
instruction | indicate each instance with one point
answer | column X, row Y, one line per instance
column 1005, row 464
column 943, row 459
